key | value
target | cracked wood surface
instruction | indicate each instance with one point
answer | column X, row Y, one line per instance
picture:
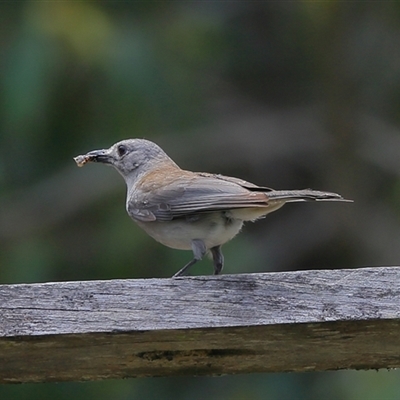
column 270, row 322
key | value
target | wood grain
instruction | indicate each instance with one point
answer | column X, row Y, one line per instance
column 291, row 321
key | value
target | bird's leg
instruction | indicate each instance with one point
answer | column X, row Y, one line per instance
column 199, row 250
column 218, row 258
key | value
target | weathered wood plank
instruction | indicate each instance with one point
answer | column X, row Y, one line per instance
column 292, row 321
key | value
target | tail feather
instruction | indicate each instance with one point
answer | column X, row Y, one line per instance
column 304, row 195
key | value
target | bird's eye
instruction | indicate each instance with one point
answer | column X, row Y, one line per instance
column 121, row 150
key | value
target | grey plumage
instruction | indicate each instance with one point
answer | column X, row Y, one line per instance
column 190, row 210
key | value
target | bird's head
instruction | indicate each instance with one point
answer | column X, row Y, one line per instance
column 130, row 157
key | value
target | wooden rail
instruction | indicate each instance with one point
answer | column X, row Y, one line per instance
column 270, row 322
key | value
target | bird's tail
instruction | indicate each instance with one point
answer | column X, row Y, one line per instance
column 304, row 195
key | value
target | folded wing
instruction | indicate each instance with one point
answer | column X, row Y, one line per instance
column 186, row 193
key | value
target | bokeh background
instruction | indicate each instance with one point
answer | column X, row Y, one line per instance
column 288, row 95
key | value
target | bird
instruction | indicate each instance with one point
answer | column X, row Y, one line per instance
column 187, row 210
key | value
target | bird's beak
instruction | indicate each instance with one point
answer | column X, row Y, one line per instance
column 102, row 156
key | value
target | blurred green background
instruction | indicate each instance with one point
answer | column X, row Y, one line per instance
column 288, row 95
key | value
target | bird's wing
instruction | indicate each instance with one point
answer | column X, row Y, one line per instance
column 238, row 181
column 186, row 193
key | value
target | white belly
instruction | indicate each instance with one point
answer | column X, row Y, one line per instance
column 213, row 229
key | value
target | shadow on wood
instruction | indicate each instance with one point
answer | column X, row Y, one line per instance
column 271, row 322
